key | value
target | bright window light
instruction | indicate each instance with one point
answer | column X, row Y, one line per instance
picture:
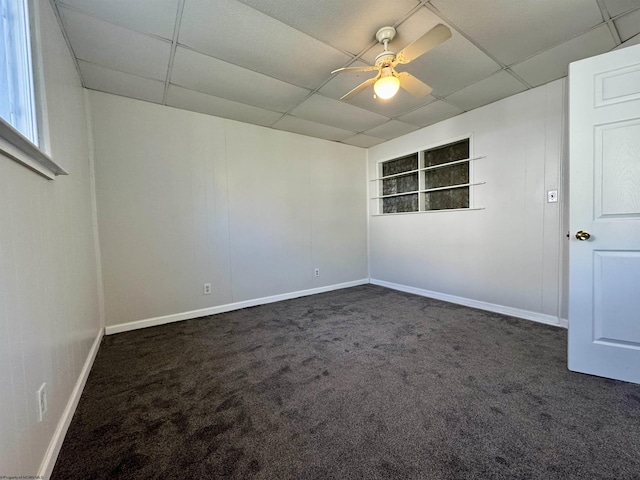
column 17, row 103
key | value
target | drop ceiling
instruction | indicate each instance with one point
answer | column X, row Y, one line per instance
column 268, row 62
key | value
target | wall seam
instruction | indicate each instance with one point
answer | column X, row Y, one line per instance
column 226, row 181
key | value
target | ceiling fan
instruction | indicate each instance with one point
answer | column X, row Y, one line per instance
column 387, row 82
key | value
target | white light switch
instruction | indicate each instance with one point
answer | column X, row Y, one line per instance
column 552, row 196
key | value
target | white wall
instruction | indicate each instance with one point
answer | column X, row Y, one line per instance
column 510, row 253
column 49, row 314
column 185, row 198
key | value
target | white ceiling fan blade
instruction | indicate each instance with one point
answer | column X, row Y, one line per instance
column 355, row 69
column 359, row 88
column 429, row 40
column 415, row 87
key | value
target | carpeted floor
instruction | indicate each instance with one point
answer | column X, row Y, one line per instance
column 361, row 383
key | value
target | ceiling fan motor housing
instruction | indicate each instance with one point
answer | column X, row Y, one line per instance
column 385, row 59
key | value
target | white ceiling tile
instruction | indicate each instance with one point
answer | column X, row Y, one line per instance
column 104, row 79
column 116, row 47
column 498, row 86
column 401, row 103
column 554, row 63
column 238, row 34
column 313, row 129
column 369, row 56
column 362, row 140
column 433, row 113
column 348, row 25
column 321, row 109
column 616, row 7
column 628, row 25
column 155, row 17
column 205, row 74
column 451, row 65
column 391, row 129
column 201, row 102
column 513, row 31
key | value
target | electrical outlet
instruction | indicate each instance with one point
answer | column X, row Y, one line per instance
column 316, row 272
column 552, row 196
column 42, row 401
column 206, row 288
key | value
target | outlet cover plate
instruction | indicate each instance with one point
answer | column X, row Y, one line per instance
column 42, row 401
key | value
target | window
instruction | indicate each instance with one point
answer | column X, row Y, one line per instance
column 401, row 183
column 438, row 178
column 19, row 138
column 17, row 103
column 447, row 170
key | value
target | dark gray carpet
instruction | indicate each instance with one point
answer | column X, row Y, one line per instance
column 361, row 383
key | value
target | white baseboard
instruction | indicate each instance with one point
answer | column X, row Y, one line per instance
column 152, row 322
column 51, row 455
column 468, row 302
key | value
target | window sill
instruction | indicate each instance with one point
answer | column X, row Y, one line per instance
column 15, row 146
column 428, row 211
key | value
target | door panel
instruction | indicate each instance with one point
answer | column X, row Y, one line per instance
column 616, row 300
column 617, row 166
column 618, row 85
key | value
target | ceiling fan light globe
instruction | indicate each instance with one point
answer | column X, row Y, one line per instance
column 386, row 87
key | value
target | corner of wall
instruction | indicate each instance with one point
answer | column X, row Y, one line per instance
column 368, row 211
column 94, row 207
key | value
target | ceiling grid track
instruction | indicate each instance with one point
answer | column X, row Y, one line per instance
column 437, row 12
column 295, row 90
column 56, row 12
column 609, row 21
column 174, row 46
column 503, row 66
column 335, row 47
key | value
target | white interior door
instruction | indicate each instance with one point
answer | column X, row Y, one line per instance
column 604, row 145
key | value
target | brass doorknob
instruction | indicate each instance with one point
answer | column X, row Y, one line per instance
column 582, row 235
